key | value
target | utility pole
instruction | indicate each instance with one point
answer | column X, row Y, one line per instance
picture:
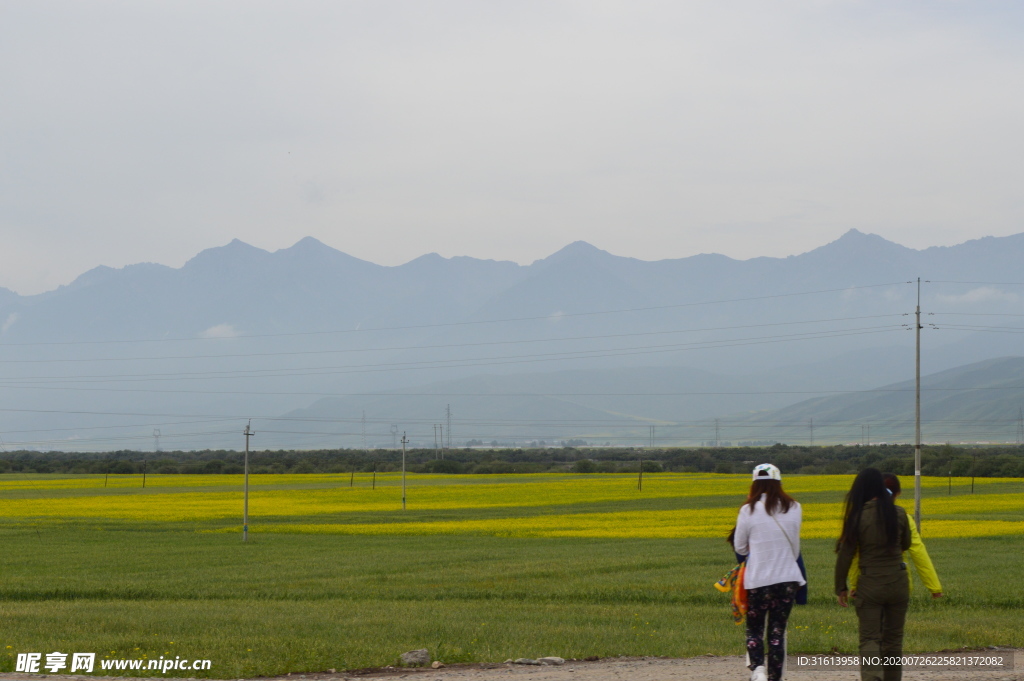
column 1020, row 425
column 448, row 415
column 917, row 410
column 974, row 463
column 156, row 449
column 405, row 441
column 440, row 427
column 248, row 432
column 366, row 453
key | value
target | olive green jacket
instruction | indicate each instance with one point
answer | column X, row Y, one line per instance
column 875, row 558
column 918, row 555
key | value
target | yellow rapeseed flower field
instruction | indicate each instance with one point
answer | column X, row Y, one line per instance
column 514, row 506
column 821, row 521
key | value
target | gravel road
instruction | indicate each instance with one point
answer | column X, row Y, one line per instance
column 615, row 669
column 661, row 669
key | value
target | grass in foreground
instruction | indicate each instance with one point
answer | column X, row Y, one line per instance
column 308, row 602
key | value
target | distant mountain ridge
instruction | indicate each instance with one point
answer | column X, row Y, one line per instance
column 253, row 332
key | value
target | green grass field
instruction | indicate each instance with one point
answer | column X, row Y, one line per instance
column 475, row 570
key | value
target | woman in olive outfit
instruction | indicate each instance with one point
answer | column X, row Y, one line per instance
column 916, row 556
column 877, row 531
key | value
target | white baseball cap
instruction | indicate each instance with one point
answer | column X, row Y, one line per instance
column 766, row 471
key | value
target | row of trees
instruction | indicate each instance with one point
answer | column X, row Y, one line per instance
column 936, row 461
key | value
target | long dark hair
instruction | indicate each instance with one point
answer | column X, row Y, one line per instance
column 869, row 485
column 774, row 499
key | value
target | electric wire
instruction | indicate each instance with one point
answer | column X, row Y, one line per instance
column 434, row 347
column 490, row 361
column 485, row 321
column 427, row 347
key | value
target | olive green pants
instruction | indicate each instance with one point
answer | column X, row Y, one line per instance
column 882, row 611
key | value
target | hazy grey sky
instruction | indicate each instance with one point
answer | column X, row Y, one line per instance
column 147, row 131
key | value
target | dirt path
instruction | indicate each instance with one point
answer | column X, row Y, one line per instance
column 661, row 669
column 616, row 669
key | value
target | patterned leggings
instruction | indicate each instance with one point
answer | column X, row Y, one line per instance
column 772, row 604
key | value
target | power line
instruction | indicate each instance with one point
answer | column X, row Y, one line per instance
column 443, row 346
column 759, row 430
column 979, row 314
column 471, row 323
column 485, row 361
column 981, row 329
column 986, row 283
column 216, row 418
column 130, row 425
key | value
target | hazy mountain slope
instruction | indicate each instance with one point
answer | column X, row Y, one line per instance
column 617, row 404
column 976, row 402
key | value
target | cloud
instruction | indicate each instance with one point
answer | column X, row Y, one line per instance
column 893, row 294
column 9, row 322
column 220, row 331
column 984, row 294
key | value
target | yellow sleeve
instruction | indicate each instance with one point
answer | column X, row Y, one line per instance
column 851, row 577
column 918, row 555
column 843, row 560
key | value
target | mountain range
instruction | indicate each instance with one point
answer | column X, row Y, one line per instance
column 581, row 344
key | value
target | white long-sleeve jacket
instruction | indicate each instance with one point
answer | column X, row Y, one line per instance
column 770, row 555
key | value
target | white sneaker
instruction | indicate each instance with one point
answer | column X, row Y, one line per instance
column 758, row 674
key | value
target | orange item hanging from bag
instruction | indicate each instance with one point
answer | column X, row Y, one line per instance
column 733, row 582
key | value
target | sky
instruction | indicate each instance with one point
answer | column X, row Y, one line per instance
column 146, row 132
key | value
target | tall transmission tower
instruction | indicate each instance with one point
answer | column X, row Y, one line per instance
column 394, row 436
column 810, row 424
column 716, row 432
column 156, row 437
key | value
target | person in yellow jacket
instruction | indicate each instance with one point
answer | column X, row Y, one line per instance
column 917, row 553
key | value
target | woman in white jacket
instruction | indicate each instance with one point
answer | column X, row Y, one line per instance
column 768, row 533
